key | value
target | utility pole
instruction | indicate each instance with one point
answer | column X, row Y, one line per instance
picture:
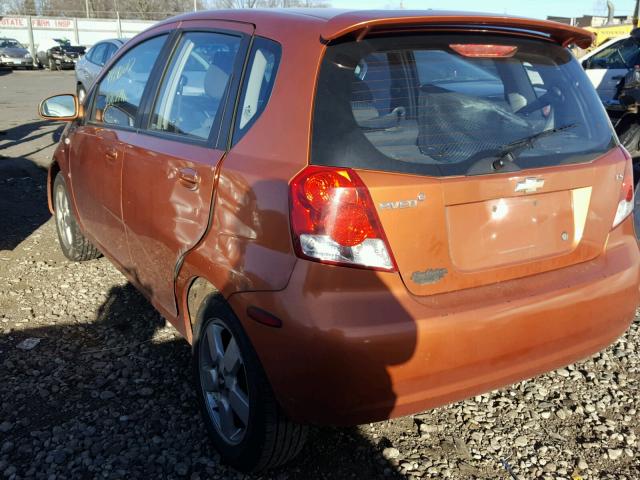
column 86, row 5
column 195, row 5
column 636, row 13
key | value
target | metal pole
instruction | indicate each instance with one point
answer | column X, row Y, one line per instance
column 86, row 5
column 32, row 46
column 636, row 13
column 195, row 5
column 119, row 25
column 75, row 31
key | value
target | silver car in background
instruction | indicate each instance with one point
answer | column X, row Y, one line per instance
column 13, row 54
column 89, row 66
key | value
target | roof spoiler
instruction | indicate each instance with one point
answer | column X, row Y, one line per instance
column 353, row 23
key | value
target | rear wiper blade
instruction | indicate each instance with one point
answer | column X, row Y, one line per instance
column 506, row 152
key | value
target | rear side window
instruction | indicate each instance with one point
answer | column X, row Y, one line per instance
column 120, row 91
column 195, row 85
column 258, row 84
column 414, row 104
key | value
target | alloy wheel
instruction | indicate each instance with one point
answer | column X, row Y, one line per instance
column 63, row 217
column 223, row 381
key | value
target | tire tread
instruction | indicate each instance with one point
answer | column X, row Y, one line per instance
column 81, row 248
column 281, row 438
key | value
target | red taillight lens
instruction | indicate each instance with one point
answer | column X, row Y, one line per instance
column 625, row 204
column 333, row 219
column 484, row 51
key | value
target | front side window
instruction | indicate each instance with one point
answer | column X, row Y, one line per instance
column 111, row 49
column 120, row 91
column 258, row 83
column 622, row 54
column 195, row 85
column 96, row 54
column 422, row 104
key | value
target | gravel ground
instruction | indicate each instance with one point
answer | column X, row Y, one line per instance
column 106, row 390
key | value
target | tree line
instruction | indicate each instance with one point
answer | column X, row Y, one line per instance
column 137, row 9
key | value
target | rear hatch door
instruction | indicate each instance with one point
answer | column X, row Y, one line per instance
column 488, row 156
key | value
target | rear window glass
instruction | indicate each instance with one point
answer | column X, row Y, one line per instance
column 257, row 85
column 413, row 104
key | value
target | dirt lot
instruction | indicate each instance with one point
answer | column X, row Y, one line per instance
column 107, row 392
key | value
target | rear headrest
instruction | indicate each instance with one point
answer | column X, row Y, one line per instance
column 215, row 82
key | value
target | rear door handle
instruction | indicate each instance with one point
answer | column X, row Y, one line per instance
column 111, row 155
column 189, row 178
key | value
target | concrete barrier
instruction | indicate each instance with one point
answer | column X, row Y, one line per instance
column 32, row 30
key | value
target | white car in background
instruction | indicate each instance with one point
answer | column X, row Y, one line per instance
column 609, row 63
column 89, row 66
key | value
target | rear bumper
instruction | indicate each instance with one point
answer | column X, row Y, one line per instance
column 356, row 347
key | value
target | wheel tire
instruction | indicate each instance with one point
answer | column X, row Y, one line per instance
column 73, row 243
column 270, row 439
column 630, row 139
column 82, row 94
column 52, row 64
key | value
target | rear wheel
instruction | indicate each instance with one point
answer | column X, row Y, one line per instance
column 242, row 416
column 73, row 243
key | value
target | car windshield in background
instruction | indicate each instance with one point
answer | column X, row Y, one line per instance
column 433, row 105
column 8, row 43
column 73, row 48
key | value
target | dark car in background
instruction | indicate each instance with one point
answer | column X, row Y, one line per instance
column 13, row 54
column 90, row 65
column 58, row 53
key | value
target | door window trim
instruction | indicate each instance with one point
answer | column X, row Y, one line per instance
column 219, row 130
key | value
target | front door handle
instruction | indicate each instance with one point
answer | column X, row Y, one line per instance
column 189, row 178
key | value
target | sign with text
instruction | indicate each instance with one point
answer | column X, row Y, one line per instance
column 15, row 22
column 61, row 23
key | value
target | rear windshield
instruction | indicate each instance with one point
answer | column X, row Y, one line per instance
column 414, row 104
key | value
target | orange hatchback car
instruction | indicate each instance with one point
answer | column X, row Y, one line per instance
column 353, row 215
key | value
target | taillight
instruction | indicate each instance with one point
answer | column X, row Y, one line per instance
column 333, row 220
column 625, row 204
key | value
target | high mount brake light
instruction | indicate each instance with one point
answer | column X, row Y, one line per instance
column 484, row 51
column 333, row 220
column 625, row 205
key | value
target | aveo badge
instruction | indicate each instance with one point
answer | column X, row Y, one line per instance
column 402, row 203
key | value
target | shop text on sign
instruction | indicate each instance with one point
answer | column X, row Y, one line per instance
column 49, row 23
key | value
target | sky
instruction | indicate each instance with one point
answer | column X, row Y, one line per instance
column 526, row 8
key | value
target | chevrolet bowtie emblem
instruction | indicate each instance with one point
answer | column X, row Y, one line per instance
column 529, row 185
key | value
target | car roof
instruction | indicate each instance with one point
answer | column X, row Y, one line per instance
column 334, row 23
